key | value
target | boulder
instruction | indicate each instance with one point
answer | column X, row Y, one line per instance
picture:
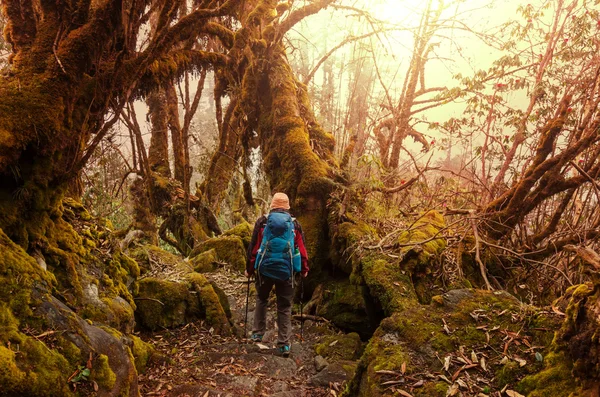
column 320, row 363
column 165, row 304
column 229, row 249
column 205, row 262
column 340, row 347
column 243, row 231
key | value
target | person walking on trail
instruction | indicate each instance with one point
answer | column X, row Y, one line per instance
column 275, row 254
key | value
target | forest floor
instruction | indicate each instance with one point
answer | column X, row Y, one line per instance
column 197, row 362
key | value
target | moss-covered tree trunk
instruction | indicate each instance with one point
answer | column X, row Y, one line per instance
column 297, row 153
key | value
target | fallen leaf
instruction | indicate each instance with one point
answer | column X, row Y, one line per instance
column 392, row 382
column 333, row 343
column 447, row 363
column 452, row 390
column 405, row 393
column 521, row 362
column 205, row 394
column 403, row 368
column 473, row 356
column 482, row 363
column 386, row 372
column 511, row 393
column 445, row 379
column 262, row 347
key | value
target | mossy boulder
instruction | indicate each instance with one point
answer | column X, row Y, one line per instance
column 416, row 339
column 205, row 261
column 167, row 304
column 113, row 368
column 142, row 353
column 229, row 249
column 68, row 261
column 150, row 257
column 243, row 231
column 340, row 347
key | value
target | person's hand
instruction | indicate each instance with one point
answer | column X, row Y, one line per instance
column 304, row 274
column 248, row 275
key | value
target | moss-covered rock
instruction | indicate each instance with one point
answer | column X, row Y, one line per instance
column 243, row 231
column 150, row 257
column 347, row 347
column 214, row 313
column 416, row 339
column 229, row 249
column 167, row 304
column 556, row 379
column 68, row 260
column 205, row 261
column 142, row 353
column 572, row 367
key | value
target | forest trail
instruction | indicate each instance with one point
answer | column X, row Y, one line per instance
column 198, row 362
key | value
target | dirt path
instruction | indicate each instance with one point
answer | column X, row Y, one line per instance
column 200, row 363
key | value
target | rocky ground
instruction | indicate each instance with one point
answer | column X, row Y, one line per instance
column 197, row 362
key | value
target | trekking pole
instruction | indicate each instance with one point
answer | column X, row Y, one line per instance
column 246, row 318
column 301, row 308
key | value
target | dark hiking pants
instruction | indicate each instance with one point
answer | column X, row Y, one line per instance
column 285, row 294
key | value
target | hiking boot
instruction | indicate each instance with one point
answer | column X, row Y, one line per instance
column 284, row 350
column 256, row 338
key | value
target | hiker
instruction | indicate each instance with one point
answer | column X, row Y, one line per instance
column 276, row 253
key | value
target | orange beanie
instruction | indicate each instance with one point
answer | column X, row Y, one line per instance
column 281, row 201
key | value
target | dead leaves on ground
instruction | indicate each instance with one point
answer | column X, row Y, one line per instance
column 471, row 372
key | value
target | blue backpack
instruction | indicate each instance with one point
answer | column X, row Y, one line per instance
column 277, row 256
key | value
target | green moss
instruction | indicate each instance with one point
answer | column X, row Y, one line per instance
column 508, row 374
column 18, row 273
column 416, row 336
column 205, row 261
column 35, row 370
column 389, row 284
column 432, row 389
column 340, row 347
column 346, row 236
column 142, row 353
column 243, row 231
column 426, row 227
column 223, row 298
column 102, row 373
column 229, row 249
column 162, row 303
column 555, row 380
column 214, row 313
column 343, row 304
column 11, row 377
